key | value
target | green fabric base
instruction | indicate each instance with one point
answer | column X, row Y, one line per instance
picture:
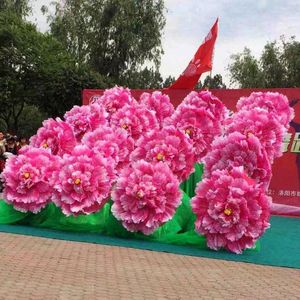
column 178, row 231
column 279, row 246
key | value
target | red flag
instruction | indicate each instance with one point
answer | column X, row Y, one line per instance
column 201, row 62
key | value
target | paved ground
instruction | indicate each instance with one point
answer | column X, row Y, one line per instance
column 39, row 268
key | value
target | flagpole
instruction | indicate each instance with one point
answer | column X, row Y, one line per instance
column 212, row 61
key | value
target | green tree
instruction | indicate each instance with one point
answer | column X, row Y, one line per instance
column 19, row 7
column 273, row 71
column 35, row 69
column 278, row 66
column 114, row 37
column 16, row 66
column 168, row 81
column 30, row 120
column 144, row 79
column 245, row 70
column 291, row 61
column 215, row 82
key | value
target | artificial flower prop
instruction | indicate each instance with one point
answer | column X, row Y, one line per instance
column 169, row 146
column 159, row 103
column 206, row 100
column 56, row 136
column 112, row 144
column 232, row 210
column 198, row 125
column 116, row 98
column 28, row 179
column 264, row 125
column 83, row 182
column 146, row 196
column 86, row 118
column 136, row 120
column 274, row 103
column 236, row 150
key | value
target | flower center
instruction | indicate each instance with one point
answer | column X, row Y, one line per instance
column 45, row 145
column 77, row 181
column 189, row 131
column 227, row 211
column 249, row 134
column 125, row 126
column 160, row 156
column 26, row 175
column 140, row 194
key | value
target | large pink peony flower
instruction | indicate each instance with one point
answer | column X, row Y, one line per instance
column 275, row 103
column 146, row 196
column 264, row 125
column 83, row 182
column 86, row 118
column 136, row 120
column 27, row 177
column 237, row 150
column 199, row 126
column 112, row 144
column 204, row 99
column 56, row 136
column 170, row 146
column 115, row 98
column 232, row 210
column 159, row 103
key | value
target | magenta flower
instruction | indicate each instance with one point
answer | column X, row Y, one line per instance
column 204, row 99
column 111, row 144
column 55, row 135
column 237, row 150
column 115, row 98
column 136, row 120
column 83, row 182
column 264, row 125
column 199, row 126
column 232, row 210
column 86, row 118
column 274, row 103
column 170, row 146
column 159, row 103
column 27, row 178
column 146, row 196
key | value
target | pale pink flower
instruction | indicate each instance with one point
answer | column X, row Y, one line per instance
column 56, row 136
column 232, row 210
column 146, row 196
column 111, row 144
column 136, row 120
column 264, row 125
column 115, row 98
column 27, row 179
column 199, row 125
column 274, row 103
column 159, row 103
column 237, row 150
column 170, row 146
column 86, row 118
column 83, row 183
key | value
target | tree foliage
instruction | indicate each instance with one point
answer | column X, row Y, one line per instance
column 215, row 82
column 114, row 37
column 278, row 66
column 35, row 69
column 19, row 7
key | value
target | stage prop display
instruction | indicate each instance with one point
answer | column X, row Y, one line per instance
column 285, row 184
column 132, row 167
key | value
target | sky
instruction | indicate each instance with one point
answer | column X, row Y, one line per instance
column 250, row 23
